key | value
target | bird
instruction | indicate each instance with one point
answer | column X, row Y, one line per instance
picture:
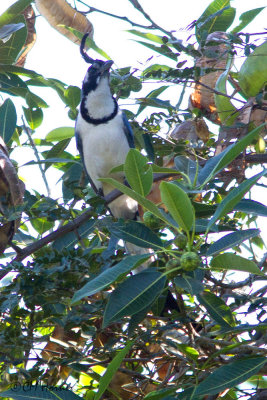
column 104, row 137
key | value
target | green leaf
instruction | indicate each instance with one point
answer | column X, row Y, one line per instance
column 111, row 370
column 65, row 132
column 160, row 394
column 71, row 238
column 230, row 375
column 231, row 240
column 138, row 172
column 235, row 195
column 137, row 318
column 37, row 391
column 188, row 351
column 187, row 166
column 133, row 295
column 232, row 261
column 56, row 151
column 13, row 11
column 189, row 284
column 20, row 71
column 246, row 18
column 10, row 50
column 178, row 205
column 136, row 233
column 147, row 204
column 148, row 36
column 226, row 111
column 35, row 101
column 251, row 207
column 8, row 120
column 217, row 309
column 42, row 225
column 72, row 96
column 218, row 16
column 153, row 94
column 217, row 163
column 154, row 102
column 163, row 49
column 34, row 117
column 109, row 276
column 253, row 74
column 89, row 42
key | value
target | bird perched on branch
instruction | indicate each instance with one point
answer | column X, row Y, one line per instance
column 104, row 136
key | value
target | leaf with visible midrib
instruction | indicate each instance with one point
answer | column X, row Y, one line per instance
column 217, row 309
column 178, row 204
column 133, row 295
column 8, row 120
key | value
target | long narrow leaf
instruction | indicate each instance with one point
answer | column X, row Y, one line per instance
column 217, row 309
column 217, row 163
column 233, row 239
column 230, row 375
column 111, row 370
column 226, row 111
column 246, row 18
column 230, row 261
column 133, row 295
column 136, row 233
column 234, row 197
column 8, row 120
column 178, row 204
column 147, row 204
column 138, row 172
column 109, row 276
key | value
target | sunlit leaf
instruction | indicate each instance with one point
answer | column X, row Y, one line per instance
column 225, row 109
column 9, row 51
column 138, row 172
column 232, row 261
column 247, row 17
column 231, row 240
column 218, row 16
column 13, row 11
column 253, row 74
column 62, row 133
column 178, row 204
column 34, row 117
column 147, row 204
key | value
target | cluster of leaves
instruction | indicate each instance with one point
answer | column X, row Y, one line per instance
column 177, row 329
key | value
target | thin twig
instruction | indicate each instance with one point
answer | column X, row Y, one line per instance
column 28, row 133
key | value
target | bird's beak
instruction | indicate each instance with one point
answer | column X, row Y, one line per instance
column 106, row 67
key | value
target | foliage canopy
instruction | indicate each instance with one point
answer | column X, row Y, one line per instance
column 192, row 324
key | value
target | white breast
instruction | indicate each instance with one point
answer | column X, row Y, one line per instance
column 105, row 146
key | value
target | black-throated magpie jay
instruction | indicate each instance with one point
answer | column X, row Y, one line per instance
column 104, row 136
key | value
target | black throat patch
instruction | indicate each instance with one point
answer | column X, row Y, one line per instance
column 97, row 121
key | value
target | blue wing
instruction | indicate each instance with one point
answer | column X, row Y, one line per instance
column 128, row 131
column 80, row 149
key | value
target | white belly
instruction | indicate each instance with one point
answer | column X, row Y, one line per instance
column 104, row 147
